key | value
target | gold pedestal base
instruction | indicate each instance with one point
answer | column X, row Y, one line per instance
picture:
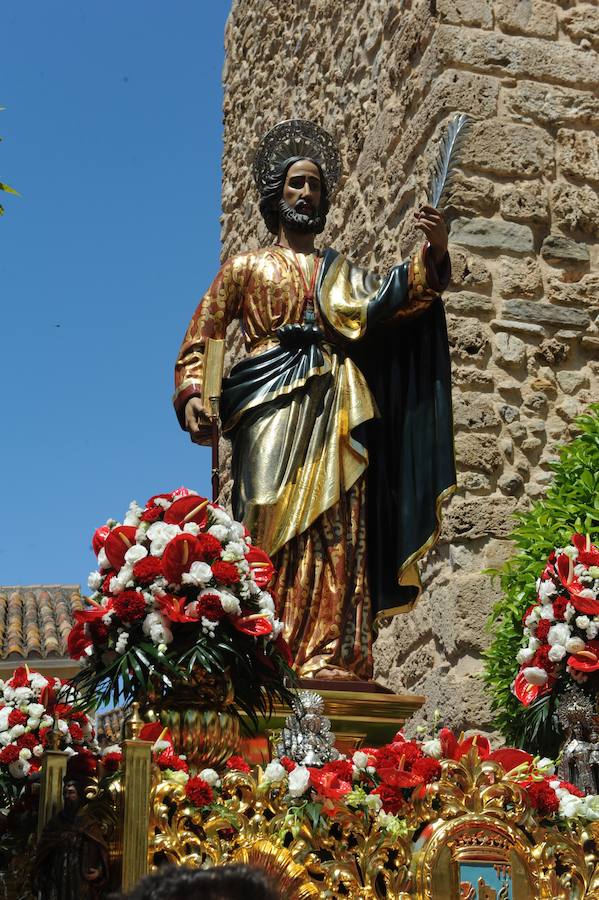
column 361, row 714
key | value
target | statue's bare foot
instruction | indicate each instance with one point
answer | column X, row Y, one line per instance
column 334, row 673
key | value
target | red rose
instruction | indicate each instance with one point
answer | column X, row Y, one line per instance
column 76, row 731
column 20, row 678
column 112, row 761
column 543, row 626
column 77, row 641
column 209, row 547
column 147, row 569
column 199, row 792
column 542, row 798
column 210, row 606
column 225, row 572
column 16, row 717
column 152, row 514
column 288, row 764
column 391, row 798
column 27, row 741
column 427, row 769
column 130, row 606
column 9, row 754
column 559, row 608
column 238, row 764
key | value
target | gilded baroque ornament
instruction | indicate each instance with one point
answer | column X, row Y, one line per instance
column 475, row 818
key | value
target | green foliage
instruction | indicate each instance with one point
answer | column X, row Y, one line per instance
column 5, row 187
column 571, row 505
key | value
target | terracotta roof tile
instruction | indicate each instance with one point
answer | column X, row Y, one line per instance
column 35, row 621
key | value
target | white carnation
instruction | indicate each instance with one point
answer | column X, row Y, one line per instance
column 133, row 514
column 160, row 533
column 229, row 603
column 547, row 613
column 535, row 675
column 94, row 580
column 274, row 773
column 103, row 560
column 233, row 551
column 23, row 695
column 547, row 590
column 266, row 603
column 5, row 738
column 558, row 634
column 19, row 768
column 38, row 682
column 433, row 748
column 211, row 777
column 24, row 753
column 524, row 655
column 299, row 779
column 199, row 573
column 219, row 516
column 374, row 802
column 135, row 553
column 220, row 532
column 16, row 731
column 570, row 806
column 162, row 502
column 38, row 750
column 36, row 710
column 191, row 528
column 236, row 531
column 33, row 723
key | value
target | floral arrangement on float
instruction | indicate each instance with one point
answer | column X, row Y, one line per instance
column 544, row 654
column 34, row 711
column 180, row 602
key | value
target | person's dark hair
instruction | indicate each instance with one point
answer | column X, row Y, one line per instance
column 221, row 883
column 272, row 192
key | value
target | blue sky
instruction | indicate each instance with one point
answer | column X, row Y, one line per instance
column 112, row 134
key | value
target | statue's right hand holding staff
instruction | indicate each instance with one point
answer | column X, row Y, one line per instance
column 196, row 419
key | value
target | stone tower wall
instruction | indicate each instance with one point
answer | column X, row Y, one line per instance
column 523, row 305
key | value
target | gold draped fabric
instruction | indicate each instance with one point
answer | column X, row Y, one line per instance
column 299, row 471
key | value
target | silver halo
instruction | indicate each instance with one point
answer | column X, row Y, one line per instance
column 297, row 137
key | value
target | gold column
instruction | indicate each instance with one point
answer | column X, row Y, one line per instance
column 53, row 771
column 137, row 777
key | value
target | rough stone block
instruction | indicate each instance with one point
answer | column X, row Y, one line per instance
column 482, row 517
column 530, row 311
column 575, row 208
column 471, row 195
column 582, row 23
column 503, row 148
column 552, row 351
column 466, row 12
column 578, row 154
column 524, row 203
column 468, row 270
column 467, row 303
column 552, row 105
column 508, row 350
column 478, row 451
column 492, row 234
column 559, row 251
column 467, row 376
column 519, row 277
column 525, row 17
column 570, row 382
column 474, row 412
column 516, row 56
column 473, row 481
column 583, row 293
column 518, row 327
column 467, row 337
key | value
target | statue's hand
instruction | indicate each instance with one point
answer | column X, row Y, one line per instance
column 195, row 419
column 92, row 874
column 432, row 223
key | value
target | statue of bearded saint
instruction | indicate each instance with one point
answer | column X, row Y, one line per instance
column 340, row 413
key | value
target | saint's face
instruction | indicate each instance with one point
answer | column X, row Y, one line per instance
column 303, row 188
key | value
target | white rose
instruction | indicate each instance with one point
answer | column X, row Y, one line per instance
column 16, row 731
column 524, row 655
column 220, row 532
column 299, row 779
column 36, row 710
column 582, row 622
column 570, row 806
column 589, row 807
column 274, row 773
column 575, row 645
column 547, row 613
column 433, row 748
column 38, row 750
column 199, row 573
column 546, row 766
column 33, row 723
column 592, row 631
column 547, row 590
column 559, row 634
column 19, row 768
column 360, row 759
column 135, row 553
column 94, row 580
column 211, row 777
column 535, row 675
column 24, row 753
column 229, row 603
column 556, row 653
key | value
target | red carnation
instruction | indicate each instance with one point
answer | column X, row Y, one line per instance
column 341, row 767
column 329, row 784
column 210, row 606
column 407, row 750
column 106, row 583
column 559, row 608
column 199, row 792
column 147, row 569
column 386, row 757
column 288, row 764
column 20, row 678
column 9, row 754
column 566, row 786
column 76, row 731
column 130, row 606
column 543, row 626
column 98, row 632
column 225, row 572
column 27, row 741
column 238, row 764
column 43, row 733
column 541, row 659
column 209, row 547
column 391, row 798
column 112, row 761
column 152, row 514
column 427, row 769
column 168, row 759
column 542, row 797
column 16, row 717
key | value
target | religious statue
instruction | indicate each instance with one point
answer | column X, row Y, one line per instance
column 71, row 861
column 340, row 414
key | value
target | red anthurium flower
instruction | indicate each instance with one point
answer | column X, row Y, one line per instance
column 187, row 509
column 254, row 625
column 510, row 758
column 48, row 697
column 586, row 660
column 155, row 731
column 588, row 554
column 77, row 641
column 284, row 649
column 174, row 608
column 329, row 784
column 586, row 605
column 93, row 612
column 261, row 566
column 117, row 543
column 151, row 502
column 399, row 778
column 449, row 743
column 179, row 554
column 527, row 693
column 99, row 537
column 20, row 678
column 481, row 743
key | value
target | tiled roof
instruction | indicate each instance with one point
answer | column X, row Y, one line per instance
column 35, row 621
column 109, row 726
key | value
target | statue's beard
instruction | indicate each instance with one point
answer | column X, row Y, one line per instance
column 295, row 221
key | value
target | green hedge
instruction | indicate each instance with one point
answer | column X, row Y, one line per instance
column 571, row 505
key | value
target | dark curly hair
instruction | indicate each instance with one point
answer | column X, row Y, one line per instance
column 220, row 883
column 272, row 192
